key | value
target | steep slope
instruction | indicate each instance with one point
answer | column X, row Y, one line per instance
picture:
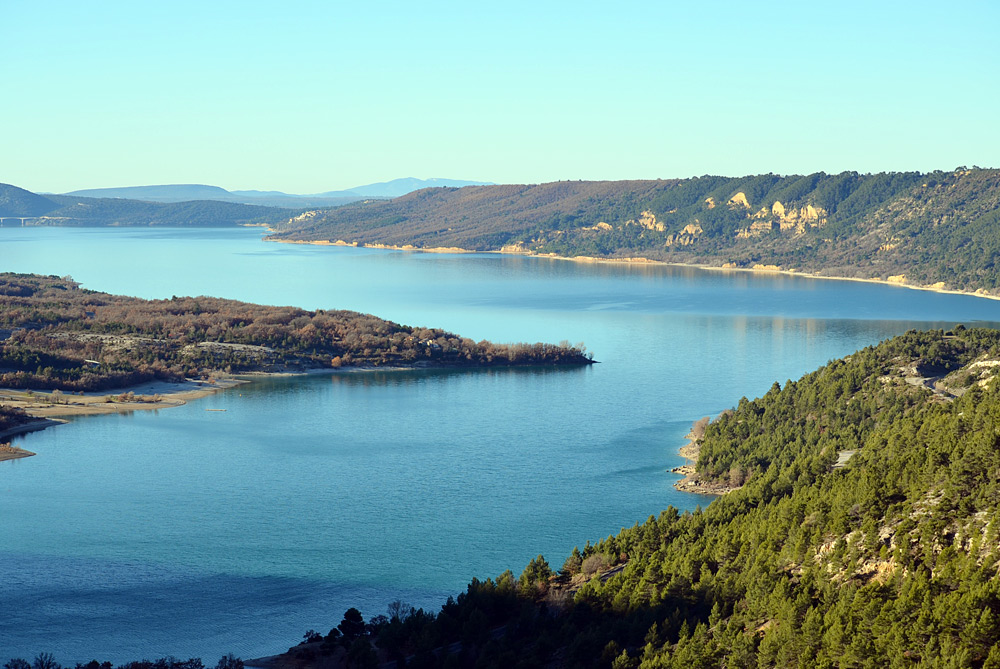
column 866, row 533
column 475, row 217
column 16, row 201
column 923, row 229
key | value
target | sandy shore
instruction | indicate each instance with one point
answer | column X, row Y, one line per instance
column 390, row 247
column 153, row 395
column 9, row 452
column 814, row 275
column 12, row 453
column 899, row 282
column 768, row 270
column 49, row 407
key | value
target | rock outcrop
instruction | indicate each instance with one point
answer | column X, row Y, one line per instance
column 739, row 200
column 783, row 219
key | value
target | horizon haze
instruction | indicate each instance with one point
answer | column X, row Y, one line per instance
column 310, row 98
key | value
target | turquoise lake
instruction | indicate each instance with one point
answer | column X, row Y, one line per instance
column 189, row 532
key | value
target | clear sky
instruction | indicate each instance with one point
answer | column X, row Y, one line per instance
column 306, row 97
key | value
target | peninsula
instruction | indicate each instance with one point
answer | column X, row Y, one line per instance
column 67, row 350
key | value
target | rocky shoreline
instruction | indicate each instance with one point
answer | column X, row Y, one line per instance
column 692, row 482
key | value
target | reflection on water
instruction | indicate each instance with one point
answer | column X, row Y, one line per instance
column 194, row 532
column 408, row 377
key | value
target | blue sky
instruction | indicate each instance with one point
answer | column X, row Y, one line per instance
column 313, row 96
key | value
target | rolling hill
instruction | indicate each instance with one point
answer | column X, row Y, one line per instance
column 938, row 229
column 17, row 203
column 271, row 198
column 161, row 193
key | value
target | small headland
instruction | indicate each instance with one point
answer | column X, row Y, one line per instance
column 25, row 411
column 692, row 481
column 8, row 452
column 69, row 351
column 151, row 395
column 14, row 421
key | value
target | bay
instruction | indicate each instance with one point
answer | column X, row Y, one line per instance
column 196, row 533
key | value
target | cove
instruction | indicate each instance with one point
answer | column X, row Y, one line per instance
column 196, row 533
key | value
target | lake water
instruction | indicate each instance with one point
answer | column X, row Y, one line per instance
column 196, row 533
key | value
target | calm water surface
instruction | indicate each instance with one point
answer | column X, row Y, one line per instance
column 196, row 533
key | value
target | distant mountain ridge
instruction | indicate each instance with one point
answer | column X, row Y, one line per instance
column 186, row 204
column 18, row 203
column 398, row 187
column 940, row 230
column 163, row 193
column 187, row 192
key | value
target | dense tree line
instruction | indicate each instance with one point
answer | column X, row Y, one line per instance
column 929, row 228
column 62, row 336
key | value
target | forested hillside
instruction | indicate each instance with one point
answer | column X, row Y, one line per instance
column 56, row 335
column 866, row 534
column 16, row 201
column 74, row 210
column 920, row 229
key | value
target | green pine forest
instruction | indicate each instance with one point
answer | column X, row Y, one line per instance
column 889, row 560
